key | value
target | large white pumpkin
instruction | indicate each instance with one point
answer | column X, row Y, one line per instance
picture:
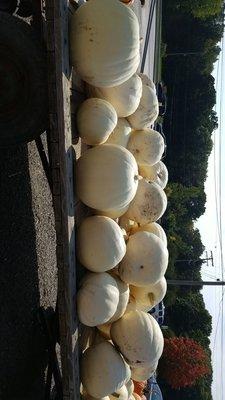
column 147, row 81
column 96, row 119
column 147, row 146
column 148, row 296
column 157, row 173
column 153, row 227
column 121, row 133
column 145, row 261
column 103, row 370
column 100, row 243
column 147, row 111
column 107, row 177
column 97, row 299
column 124, row 294
column 140, row 374
column 139, row 338
column 125, row 98
column 149, row 203
column 104, row 41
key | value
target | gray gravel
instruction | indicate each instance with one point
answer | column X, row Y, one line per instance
column 28, row 275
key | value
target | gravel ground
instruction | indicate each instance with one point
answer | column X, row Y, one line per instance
column 27, row 271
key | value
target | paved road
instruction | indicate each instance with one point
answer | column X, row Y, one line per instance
column 143, row 14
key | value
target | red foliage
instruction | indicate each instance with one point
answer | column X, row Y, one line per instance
column 183, row 362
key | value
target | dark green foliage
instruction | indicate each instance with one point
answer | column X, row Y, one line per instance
column 190, row 311
column 192, row 31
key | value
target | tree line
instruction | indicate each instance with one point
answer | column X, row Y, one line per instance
column 192, row 31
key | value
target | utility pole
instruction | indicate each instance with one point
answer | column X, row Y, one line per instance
column 206, row 259
column 177, row 282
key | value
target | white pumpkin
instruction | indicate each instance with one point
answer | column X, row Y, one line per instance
column 140, row 374
column 96, row 119
column 103, row 370
column 120, row 394
column 114, row 213
column 104, row 54
column 121, row 133
column 107, row 177
column 147, row 111
column 139, row 338
column 157, row 173
column 148, row 296
column 149, row 203
column 97, row 299
column 147, row 146
column 125, row 98
column 147, row 81
column 100, row 243
column 124, row 294
column 153, row 227
column 145, row 261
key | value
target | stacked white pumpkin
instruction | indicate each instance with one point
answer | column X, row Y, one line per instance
column 121, row 176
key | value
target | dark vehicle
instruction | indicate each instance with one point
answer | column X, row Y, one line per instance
column 153, row 391
column 162, row 98
column 142, row 2
column 158, row 312
column 159, row 128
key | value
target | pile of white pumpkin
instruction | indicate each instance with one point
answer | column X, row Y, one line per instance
column 121, row 179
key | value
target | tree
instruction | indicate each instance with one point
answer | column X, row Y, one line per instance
column 187, row 202
column 189, row 314
column 183, row 362
column 199, row 8
column 202, row 8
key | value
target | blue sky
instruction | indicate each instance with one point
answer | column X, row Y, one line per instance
column 212, row 228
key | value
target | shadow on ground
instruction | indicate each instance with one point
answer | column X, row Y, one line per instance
column 22, row 345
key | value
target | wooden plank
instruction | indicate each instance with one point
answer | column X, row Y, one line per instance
column 62, row 161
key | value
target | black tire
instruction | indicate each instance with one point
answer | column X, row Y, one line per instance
column 8, row 6
column 23, row 83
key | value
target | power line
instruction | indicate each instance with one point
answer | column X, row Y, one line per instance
column 220, row 215
column 218, row 203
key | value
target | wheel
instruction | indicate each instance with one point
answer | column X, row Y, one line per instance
column 23, row 82
column 8, row 6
